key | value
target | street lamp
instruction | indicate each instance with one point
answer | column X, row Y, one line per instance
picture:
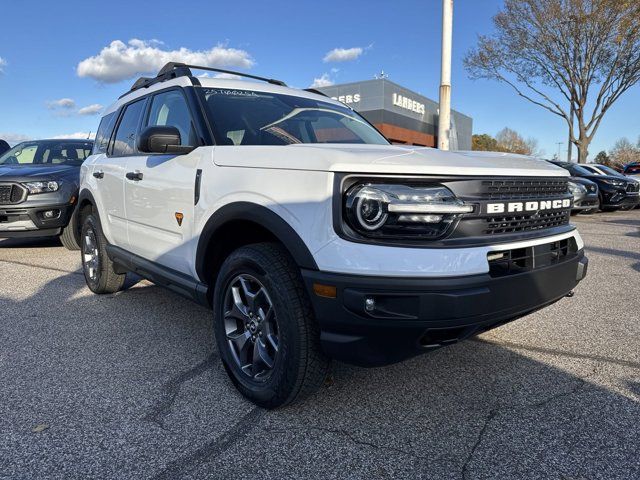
column 444, row 117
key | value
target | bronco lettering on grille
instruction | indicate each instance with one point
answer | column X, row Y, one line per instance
column 530, row 206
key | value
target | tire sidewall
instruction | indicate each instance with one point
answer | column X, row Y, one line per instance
column 287, row 363
column 90, row 222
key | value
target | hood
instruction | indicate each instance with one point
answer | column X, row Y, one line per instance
column 595, row 178
column 28, row 173
column 384, row 159
column 583, row 181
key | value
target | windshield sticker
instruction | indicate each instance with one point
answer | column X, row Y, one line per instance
column 234, row 93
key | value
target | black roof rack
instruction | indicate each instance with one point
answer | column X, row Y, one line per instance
column 316, row 91
column 175, row 69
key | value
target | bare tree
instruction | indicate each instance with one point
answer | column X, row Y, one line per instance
column 567, row 56
column 509, row 140
column 624, row 152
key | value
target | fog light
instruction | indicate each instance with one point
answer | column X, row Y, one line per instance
column 369, row 304
column 49, row 214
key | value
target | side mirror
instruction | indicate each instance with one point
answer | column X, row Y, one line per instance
column 159, row 139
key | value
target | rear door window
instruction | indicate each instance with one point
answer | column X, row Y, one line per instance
column 104, row 133
column 124, row 142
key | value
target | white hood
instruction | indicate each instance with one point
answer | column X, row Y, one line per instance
column 385, row 159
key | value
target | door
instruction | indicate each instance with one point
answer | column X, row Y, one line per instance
column 110, row 167
column 159, row 194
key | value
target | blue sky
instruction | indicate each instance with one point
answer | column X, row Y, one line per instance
column 42, row 43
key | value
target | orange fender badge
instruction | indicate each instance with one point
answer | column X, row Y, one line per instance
column 179, row 218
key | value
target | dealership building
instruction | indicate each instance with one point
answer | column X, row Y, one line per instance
column 402, row 115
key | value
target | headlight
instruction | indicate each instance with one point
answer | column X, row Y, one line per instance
column 615, row 183
column 402, row 211
column 42, row 187
column 577, row 189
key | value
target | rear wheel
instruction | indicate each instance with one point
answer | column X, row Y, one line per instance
column 97, row 267
column 266, row 334
column 69, row 236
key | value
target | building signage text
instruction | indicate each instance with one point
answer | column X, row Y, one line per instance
column 408, row 104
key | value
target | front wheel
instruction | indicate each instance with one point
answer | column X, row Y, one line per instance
column 98, row 269
column 264, row 326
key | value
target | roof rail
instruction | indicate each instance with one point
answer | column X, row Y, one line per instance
column 316, row 91
column 175, row 69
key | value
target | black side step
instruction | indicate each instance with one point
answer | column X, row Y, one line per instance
column 162, row 276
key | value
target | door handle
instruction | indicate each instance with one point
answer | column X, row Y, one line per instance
column 136, row 176
column 98, row 174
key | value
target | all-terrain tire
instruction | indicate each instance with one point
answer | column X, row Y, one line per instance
column 300, row 367
column 100, row 275
column 69, row 236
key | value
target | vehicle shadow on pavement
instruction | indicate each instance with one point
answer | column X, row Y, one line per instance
column 36, row 242
column 130, row 386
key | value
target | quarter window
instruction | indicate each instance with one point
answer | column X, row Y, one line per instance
column 125, row 140
column 170, row 109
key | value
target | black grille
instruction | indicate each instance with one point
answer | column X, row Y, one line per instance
column 520, row 260
column 10, row 194
column 525, row 223
column 633, row 187
column 5, row 193
column 524, row 188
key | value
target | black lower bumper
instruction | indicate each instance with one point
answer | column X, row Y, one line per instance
column 376, row 321
column 620, row 199
column 39, row 225
column 586, row 203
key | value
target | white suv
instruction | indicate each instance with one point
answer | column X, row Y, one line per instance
column 308, row 234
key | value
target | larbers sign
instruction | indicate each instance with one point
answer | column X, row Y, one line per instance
column 408, row 104
column 396, row 99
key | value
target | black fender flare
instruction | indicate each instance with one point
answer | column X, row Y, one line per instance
column 85, row 194
column 262, row 216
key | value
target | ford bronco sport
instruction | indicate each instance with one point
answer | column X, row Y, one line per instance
column 308, row 234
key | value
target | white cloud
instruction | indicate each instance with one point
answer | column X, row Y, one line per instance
column 92, row 109
column 323, row 81
column 77, row 135
column 3, row 63
column 343, row 54
column 229, row 76
column 14, row 138
column 66, row 103
column 120, row 61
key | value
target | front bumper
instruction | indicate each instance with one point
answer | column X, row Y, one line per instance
column 620, row 198
column 586, row 202
column 415, row 315
column 18, row 221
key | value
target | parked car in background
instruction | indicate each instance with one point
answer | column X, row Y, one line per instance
column 4, row 146
column 586, row 196
column 633, row 170
column 39, row 189
column 600, row 169
column 615, row 191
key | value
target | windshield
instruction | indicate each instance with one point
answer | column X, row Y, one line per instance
column 608, row 170
column 578, row 171
column 47, row 153
column 246, row 117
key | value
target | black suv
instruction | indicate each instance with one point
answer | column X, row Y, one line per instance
column 39, row 189
column 616, row 191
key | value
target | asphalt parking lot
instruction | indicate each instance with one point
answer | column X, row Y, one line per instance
column 130, row 386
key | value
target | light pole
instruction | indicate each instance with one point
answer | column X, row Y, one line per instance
column 444, row 118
